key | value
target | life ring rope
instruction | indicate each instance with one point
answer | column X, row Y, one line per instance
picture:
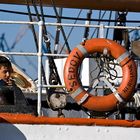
column 100, row 103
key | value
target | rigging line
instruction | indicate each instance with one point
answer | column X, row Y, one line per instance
column 71, row 31
column 36, row 10
column 32, row 27
column 57, row 33
column 86, row 33
column 36, row 41
column 51, row 60
column 116, row 15
column 4, row 41
column 62, row 30
column 98, row 23
column 100, row 17
column 43, row 19
column 132, row 30
column 100, row 12
column 42, row 67
column 64, row 17
column 39, row 19
column 47, row 44
column 38, row 15
column 54, row 77
column 110, row 15
column 45, row 32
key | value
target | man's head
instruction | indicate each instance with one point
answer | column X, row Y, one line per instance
column 5, row 69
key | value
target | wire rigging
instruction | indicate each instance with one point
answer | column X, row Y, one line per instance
column 62, row 30
column 100, row 17
column 110, row 15
column 86, row 32
column 58, row 29
column 71, row 30
column 36, row 42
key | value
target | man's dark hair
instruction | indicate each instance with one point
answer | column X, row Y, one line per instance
column 5, row 62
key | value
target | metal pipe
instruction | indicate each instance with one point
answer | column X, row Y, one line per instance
column 32, row 54
column 39, row 68
column 69, row 25
column 101, row 31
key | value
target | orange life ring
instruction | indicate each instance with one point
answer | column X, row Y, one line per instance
column 100, row 103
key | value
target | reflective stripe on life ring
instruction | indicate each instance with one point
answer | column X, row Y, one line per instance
column 100, row 103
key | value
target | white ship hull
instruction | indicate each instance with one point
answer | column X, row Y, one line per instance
column 22, row 127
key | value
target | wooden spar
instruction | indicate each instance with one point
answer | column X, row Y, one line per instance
column 114, row 5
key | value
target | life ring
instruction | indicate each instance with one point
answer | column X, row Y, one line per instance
column 100, row 103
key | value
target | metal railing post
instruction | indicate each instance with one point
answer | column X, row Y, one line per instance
column 101, row 31
column 40, row 23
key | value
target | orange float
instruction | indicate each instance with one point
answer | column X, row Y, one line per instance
column 100, row 103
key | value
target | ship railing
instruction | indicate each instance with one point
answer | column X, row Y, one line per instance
column 40, row 54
